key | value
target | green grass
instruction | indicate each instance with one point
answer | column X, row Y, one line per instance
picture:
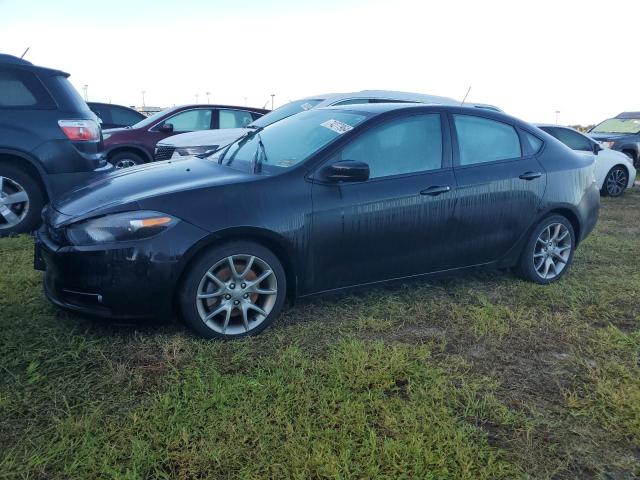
column 481, row 376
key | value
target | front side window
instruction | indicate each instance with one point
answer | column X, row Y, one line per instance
column 573, row 140
column 406, row 145
column 481, row 140
column 191, row 120
column 20, row 88
column 234, row 118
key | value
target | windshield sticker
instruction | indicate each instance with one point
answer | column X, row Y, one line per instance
column 306, row 106
column 337, row 126
column 285, row 163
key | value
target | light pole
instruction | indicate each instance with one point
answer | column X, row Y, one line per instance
column 86, row 94
column 197, row 96
column 272, row 96
column 207, row 94
column 245, row 101
column 143, row 92
column 557, row 113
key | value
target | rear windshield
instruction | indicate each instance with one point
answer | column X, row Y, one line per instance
column 67, row 96
column 286, row 111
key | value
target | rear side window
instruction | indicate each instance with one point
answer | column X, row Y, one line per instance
column 21, row 88
column 534, row 142
column 481, row 140
column 234, row 118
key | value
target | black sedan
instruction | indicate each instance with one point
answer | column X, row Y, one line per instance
column 327, row 200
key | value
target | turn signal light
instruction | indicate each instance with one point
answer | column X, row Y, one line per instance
column 80, row 130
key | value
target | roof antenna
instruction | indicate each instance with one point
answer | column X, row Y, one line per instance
column 465, row 95
column 25, row 52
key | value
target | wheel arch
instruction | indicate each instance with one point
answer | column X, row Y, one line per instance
column 268, row 239
column 571, row 216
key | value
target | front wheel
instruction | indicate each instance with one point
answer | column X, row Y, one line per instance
column 615, row 182
column 549, row 251
column 232, row 291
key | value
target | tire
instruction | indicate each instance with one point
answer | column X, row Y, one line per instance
column 210, row 286
column 529, row 266
column 615, row 183
column 19, row 216
column 126, row 160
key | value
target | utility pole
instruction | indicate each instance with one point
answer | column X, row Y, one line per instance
column 143, row 92
column 207, row 94
column 272, row 96
column 557, row 113
column 197, row 96
column 245, row 101
column 86, row 94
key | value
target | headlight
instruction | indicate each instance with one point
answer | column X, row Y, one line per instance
column 608, row 144
column 119, row 227
column 199, row 150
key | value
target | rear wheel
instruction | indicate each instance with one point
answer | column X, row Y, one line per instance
column 21, row 201
column 549, row 251
column 126, row 160
column 232, row 291
column 615, row 182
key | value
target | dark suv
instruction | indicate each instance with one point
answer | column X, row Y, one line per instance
column 620, row 133
column 129, row 146
column 50, row 141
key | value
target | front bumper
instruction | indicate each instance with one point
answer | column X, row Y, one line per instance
column 129, row 280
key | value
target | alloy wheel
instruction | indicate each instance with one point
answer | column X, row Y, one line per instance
column 237, row 294
column 14, row 203
column 616, row 182
column 552, row 251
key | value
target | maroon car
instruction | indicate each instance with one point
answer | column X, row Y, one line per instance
column 134, row 145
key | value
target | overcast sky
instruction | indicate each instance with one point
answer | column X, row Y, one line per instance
column 531, row 59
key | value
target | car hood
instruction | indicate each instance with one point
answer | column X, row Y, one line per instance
column 610, row 137
column 123, row 189
column 204, row 137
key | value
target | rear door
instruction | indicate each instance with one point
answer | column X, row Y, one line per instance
column 397, row 223
column 500, row 187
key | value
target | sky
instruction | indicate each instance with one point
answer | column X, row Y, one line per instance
column 531, row 59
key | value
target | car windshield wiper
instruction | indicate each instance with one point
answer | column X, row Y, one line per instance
column 260, row 156
column 227, row 147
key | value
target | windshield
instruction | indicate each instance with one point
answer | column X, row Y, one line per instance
column 285, row 111
column 150, row 120
column 618, row 125
column 288, row 142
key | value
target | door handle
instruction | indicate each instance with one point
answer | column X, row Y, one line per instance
column 530, row 175
column 435, row 190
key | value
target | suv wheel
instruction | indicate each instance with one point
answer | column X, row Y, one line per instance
column 21, row 201
column 549, row 251
column 126, row 160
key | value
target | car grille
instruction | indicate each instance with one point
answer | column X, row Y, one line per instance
column 164, row 153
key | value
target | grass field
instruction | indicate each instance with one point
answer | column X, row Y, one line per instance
column 482, row 376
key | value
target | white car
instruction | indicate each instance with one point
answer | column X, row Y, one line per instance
column 205, row 141
column 614, row 170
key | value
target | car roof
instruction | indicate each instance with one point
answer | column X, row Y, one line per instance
column 5, row 58
column 329, row 98
column 374, row 109
column 628, row 115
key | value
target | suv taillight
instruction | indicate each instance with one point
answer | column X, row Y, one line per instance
column 80, row 130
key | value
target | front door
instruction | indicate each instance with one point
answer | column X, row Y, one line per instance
column 396, row 224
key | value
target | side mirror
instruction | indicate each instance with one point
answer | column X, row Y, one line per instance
column 166, row 128
column 596, row 148
column 346, row 171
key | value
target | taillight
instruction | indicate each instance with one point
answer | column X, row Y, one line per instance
column 80, row 130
